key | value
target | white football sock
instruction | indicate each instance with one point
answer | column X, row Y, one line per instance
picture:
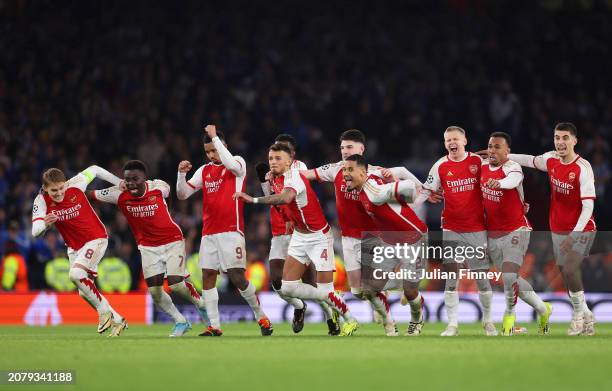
column 292, row 301
column 249, row 295
column 91, row 294
column 416, row 308
column 451, row 302
column 211, row 299
column 164, row 302
column 485, row 295
column 578, row 302
column 187, row 291
column 511, row 291
column 380, row 305
column 527, row 294
column 326, row 288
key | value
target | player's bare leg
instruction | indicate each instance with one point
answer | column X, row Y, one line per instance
column 293, row 286
column 211, row 300
column 81, row 277
column 582, row 318
column 247, row 291
column 185, row 289
column 416, row 301
column 164, row 302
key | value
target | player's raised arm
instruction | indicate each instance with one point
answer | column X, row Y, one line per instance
column 532, row 161
column 285, row 197
column 40, row 219
column 85, row 177
column 231, row 162
column 379, row 194
column 326, row 173
column 110, row 194
column 184, row 188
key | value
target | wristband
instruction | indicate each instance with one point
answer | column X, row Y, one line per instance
column 256, row 200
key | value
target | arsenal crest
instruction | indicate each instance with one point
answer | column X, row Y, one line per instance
column 572, row 176
column 473, row 169
column 152, row 198
column 73, row 199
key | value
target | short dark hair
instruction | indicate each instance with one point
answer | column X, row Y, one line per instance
column 281, row 147
column 567, row 126
column 286, row 138
column 53, row 175
column 135, row 165
column 353, row 135
column 503, row 135
column 359, row 159
column 209, row 140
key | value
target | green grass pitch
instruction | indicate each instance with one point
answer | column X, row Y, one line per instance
column 144, row 358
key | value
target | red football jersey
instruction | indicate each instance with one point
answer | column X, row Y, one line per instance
column 305, row 211
column 392, row 216
column 77, row 222
column 504, row 211
column 220, row 212
column 148, row 216
column 278, row 218
column 463, row 209
column 352, row 216
column 569, row 185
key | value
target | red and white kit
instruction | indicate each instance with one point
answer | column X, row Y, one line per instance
column 463, row 221
column 80, row 227
column 280, row 238
column 311, row 240
column 395, row 219
column 570, row 184
column 159, row 238
column 507, row 226
column 222, row 246
column 352, row 217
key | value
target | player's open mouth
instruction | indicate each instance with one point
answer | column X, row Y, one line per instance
column 453, row 149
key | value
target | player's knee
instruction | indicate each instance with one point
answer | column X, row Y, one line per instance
column 76, row 274
column 289, row 288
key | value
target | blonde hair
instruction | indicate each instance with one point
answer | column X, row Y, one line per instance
column 455, row 128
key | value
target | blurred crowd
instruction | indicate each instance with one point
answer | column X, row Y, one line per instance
column 86, row 83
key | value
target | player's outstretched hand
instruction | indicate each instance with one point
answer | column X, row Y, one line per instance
column 525, row 208
column 492, row 184
column 262, row 169
column 211, row 131
column 50, row 219
column 483, row 153
column 184, row 166
column 435, row 197
column 243, row 196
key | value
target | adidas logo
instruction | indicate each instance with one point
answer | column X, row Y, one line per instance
column 449, row 173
